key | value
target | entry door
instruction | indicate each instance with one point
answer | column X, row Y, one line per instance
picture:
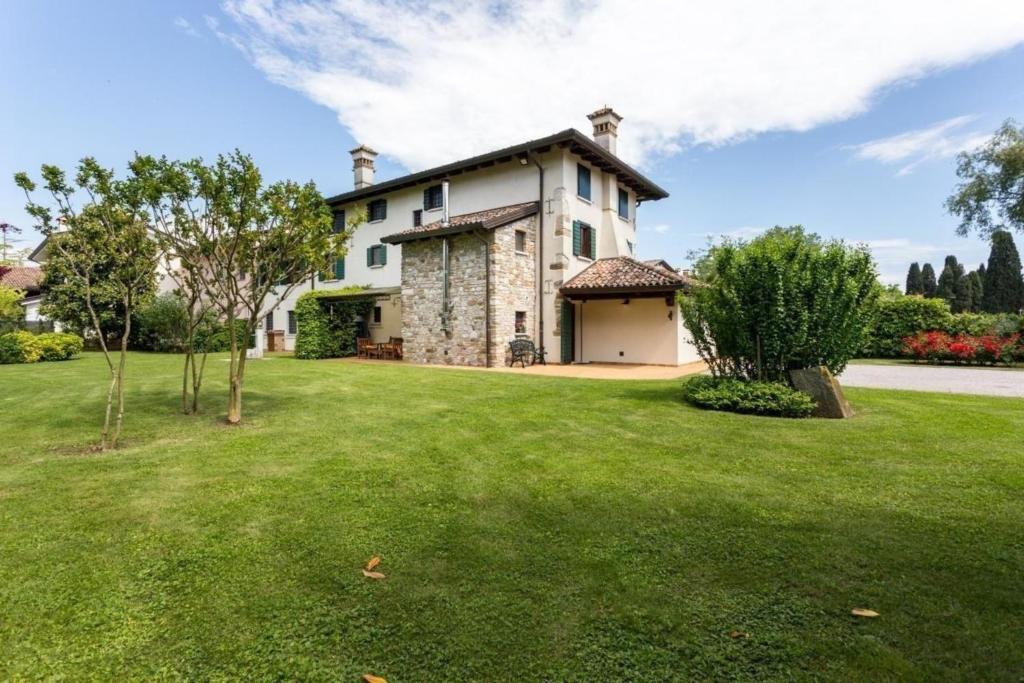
column 568, row 330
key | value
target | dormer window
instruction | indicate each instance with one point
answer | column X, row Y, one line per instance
column 583, row 182
column 432, row 198
column 377, row 210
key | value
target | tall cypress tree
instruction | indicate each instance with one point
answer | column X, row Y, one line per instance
column 951, row 273
column 915, row 284
column 977, row 290
column 928, row 284
column 1004, row 286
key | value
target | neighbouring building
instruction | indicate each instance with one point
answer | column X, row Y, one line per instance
column 535, row 240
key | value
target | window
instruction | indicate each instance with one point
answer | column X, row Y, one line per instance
column 268, row 324
column 339, row 269
column 521, row 241
column 584, row 240
column 338, row 224
column 376, row 255
column 623, row 204
column 583, row 181
column 293, row 326
column 520, row 322
column 377, row 210
column 376, row 315
column 417, row 218
column 631, row 247
column 432, row 198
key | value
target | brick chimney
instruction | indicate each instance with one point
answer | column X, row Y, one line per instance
column 362, row 166
column 606, row 127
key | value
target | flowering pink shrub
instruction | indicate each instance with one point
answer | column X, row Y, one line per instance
column 937, row 347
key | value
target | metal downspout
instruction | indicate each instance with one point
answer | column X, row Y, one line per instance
column 487, row 297
column 540, row 253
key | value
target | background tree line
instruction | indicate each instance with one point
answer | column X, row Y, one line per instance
column 997, row 287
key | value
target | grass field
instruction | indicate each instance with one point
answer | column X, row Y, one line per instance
column 530, row 528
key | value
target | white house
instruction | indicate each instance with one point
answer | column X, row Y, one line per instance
column 535, row 240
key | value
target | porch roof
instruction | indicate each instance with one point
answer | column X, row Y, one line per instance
column 622, row 275
column 489, row 219
column 368, row 293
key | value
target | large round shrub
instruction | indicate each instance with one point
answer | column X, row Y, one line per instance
column 59, row 346
column 783, row 301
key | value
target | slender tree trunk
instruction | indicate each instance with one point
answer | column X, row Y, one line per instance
column 120, row 378
column 184, row 379
column 197, row 381
column 234, row 384
column 110, row 402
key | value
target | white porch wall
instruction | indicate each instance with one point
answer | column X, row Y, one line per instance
column 608, row 331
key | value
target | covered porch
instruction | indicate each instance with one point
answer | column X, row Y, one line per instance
column 623, row 311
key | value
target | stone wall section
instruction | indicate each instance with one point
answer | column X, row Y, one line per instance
column 513, row 278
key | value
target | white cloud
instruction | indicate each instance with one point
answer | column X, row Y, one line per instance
column 660, row 228
column 184, row 25
column 941, row 140
column 428, row 81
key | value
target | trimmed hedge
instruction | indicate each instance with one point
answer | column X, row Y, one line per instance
column 753, row 398
column 25, row 347
column 896, row 317
column 327, row 329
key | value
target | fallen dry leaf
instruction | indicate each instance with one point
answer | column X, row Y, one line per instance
column 370, row 678
column 372, row 564
column 372, row 575
column 861, row 612
column 738, row 634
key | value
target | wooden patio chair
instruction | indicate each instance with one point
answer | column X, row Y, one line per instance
column 392, row 350
column 365, row 348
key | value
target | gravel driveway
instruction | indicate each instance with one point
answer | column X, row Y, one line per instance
column 992, row 382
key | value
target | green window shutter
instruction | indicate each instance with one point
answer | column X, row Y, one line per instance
column 339, row 269
column 383, row 254
column 369, row 256
column 576, row 238
column 593, row 243
column 567, row 331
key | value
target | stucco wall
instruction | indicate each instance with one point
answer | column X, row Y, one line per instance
column 609, row 331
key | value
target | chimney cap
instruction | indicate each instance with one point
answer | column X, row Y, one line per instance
column 363, row 148
column 605, row 111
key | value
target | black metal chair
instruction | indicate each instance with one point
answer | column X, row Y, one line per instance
column 524, row 351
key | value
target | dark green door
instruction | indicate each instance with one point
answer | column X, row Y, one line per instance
column 568, row 330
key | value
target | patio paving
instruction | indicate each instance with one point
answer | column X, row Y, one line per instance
column 583, row 370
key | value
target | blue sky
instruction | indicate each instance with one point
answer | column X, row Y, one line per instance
column 852, row 135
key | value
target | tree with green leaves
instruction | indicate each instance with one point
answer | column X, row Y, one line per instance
column 11, row 310
column 928, row 283
column 8, row 254
column 1004, row 285
column 915, row 284
column 106, row 252
column 990, row 196
column 242, row 242
column 782, row 301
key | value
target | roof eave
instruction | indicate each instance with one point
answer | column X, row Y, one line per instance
column 646, row 190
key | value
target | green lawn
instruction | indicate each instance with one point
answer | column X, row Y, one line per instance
column 912, row 363
column 531, row 529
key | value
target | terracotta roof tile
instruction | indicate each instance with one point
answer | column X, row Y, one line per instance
column 23, row 277
column 622, row 273
column 487, row 220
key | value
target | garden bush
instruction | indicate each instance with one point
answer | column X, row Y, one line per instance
column 19, row 347
column 895, row 316
column 25, row 347
column 327, row 328
column 750, row 397
column 59, row 346
column 785, row 300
